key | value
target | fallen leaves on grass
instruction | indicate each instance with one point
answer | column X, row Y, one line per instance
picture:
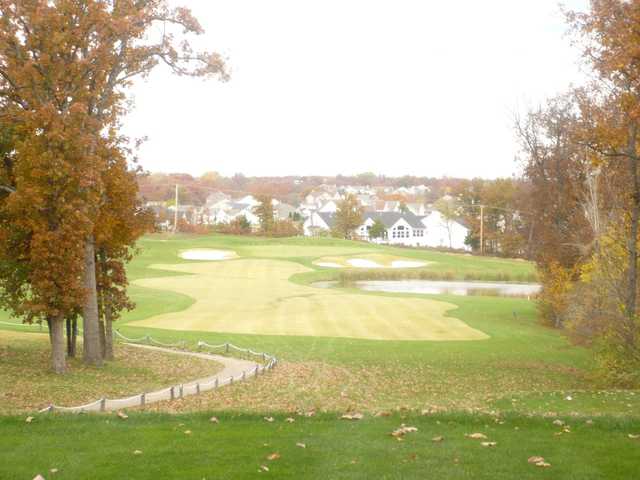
column 137, row 452
column 53, row 471
column 214, row 420
column 122, row 415
column 558, row 422
column 476, row 436
column 289, row 420
column 383, row 414
column 634, row 436
column 29, row 419
column 538, row 461
column 301, row 445
column 489, row 444
column 273, row 456
column 402, row 431
column 437, row 439
column 38, row 477
column 269, row 419
column 352, row 416
column 187, row 432
column 264, row 468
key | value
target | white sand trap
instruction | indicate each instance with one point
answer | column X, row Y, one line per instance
column 206, row 254
column 329, row 265
column 363, row 263
column 407, row 264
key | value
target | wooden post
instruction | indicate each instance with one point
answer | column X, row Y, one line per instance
column 175, row 217
column 103, row 404
column 172, row 393
column 143, row 399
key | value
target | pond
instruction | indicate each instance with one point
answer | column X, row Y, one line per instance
column 438, row 287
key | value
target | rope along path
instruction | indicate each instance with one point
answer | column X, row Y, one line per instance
column 235, row 370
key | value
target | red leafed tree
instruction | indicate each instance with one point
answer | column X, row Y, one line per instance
column 65, row 67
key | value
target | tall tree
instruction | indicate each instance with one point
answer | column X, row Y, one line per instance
column 348, row 216
column 64, row 70
column 611, row 128
column 265, row 212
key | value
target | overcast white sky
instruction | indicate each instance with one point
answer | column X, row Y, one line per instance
column 327, row 87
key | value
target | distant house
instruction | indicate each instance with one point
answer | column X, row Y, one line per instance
column 408, row 229
column 443, row 232
column 401, row 228
column 318, row 222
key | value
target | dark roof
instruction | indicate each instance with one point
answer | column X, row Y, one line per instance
column 389, row 219
column 328, row 217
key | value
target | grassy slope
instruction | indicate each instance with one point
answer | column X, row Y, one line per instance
column 522, row 367
column 102, row 448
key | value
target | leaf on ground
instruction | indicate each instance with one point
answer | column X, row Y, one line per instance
column 476, row 436
column 214, row 420
column 352, row 416
column 634, row 436
column 53, row 471
column 137, row 452
column 543, row 464
column 122, row 415
column 558, row 422
column 383, row 414
column 402, row 431
column 269, row 419
column 535, row 459
column 489, row 444
column 187, row 432
column 301, row 445
column 38, row 477
column 437, row 439
column 273, row 456
column 289, row 420
column 29, row 419
column 264, row 468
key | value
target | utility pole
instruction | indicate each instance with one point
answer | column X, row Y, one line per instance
column 481, row 229
column 175, row 217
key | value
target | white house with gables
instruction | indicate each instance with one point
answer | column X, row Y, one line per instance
column 432, row 230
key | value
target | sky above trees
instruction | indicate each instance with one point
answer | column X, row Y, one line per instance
column 334, row 87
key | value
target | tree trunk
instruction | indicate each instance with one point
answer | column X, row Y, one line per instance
column 103, row 342
column 105, row 308
column 108, row 321
column 74, row 337
column 58, row 360
column 70, row 352
column 91, row 336
column 632, row 243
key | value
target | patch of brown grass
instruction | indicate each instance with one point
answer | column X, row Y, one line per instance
column 27, row 384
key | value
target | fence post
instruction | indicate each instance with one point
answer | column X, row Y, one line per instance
column 143, row 399
column 257, row 370
column 148, row 338
column 215, row 385
column 231, row 380
column 103, row 404
column 244, row 375
column 226, row 348
column 181, row 391
column 172, row 393
column 198, row 388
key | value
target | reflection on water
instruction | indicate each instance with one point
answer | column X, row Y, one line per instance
column 437, row 287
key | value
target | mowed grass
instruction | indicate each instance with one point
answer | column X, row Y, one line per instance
column 255, row 296
column 149, row 446
column 509, row 386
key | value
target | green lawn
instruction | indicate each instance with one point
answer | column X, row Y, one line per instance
column 239, row 446
column 526, row 373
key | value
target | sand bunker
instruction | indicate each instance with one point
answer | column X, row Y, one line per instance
column 208, row 255
column 328, row 265
column 363, row 263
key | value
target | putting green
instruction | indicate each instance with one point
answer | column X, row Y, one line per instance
column 254, row 296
